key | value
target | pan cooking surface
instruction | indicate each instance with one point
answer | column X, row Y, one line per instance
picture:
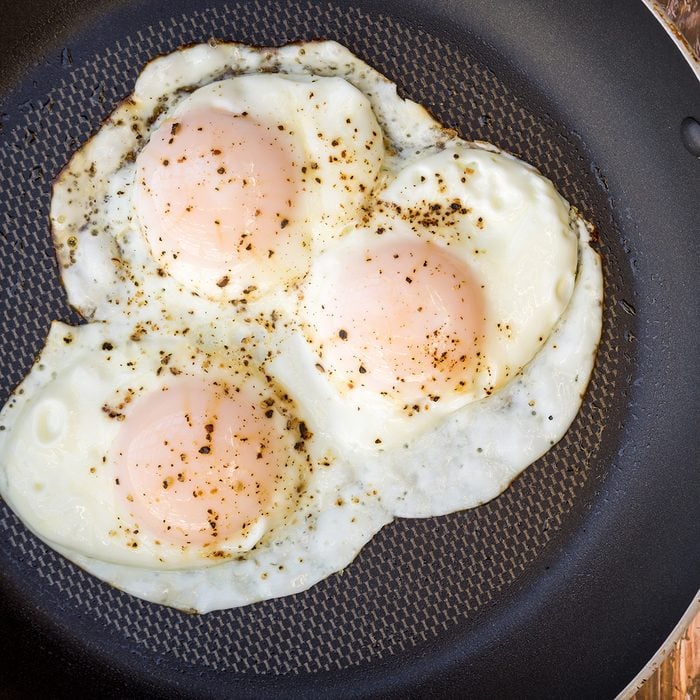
column 416, row 580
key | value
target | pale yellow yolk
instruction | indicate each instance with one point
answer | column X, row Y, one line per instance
column 197, row 464
column 403, row 319
column 214, row 195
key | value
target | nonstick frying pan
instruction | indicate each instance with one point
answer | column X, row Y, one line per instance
column 568, row 582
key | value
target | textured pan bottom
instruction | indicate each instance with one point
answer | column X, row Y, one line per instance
column 417, row 579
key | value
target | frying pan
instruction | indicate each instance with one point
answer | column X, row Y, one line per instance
column 568, row 582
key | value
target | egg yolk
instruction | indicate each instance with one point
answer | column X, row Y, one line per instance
column 196, row 463
column 214, row 195
column 402, row 318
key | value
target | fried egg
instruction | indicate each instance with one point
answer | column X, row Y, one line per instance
column 434, row 302
column 153, row 455
column 234, row 189
column 312, row 308
column 487, row 443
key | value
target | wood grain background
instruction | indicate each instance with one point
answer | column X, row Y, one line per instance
column 678, row 677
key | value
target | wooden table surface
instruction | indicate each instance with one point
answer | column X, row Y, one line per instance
column 678, row 676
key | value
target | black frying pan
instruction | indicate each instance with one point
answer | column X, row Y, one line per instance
column 567, row 583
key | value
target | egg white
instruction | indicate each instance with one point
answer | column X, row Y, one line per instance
column 459, row 457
